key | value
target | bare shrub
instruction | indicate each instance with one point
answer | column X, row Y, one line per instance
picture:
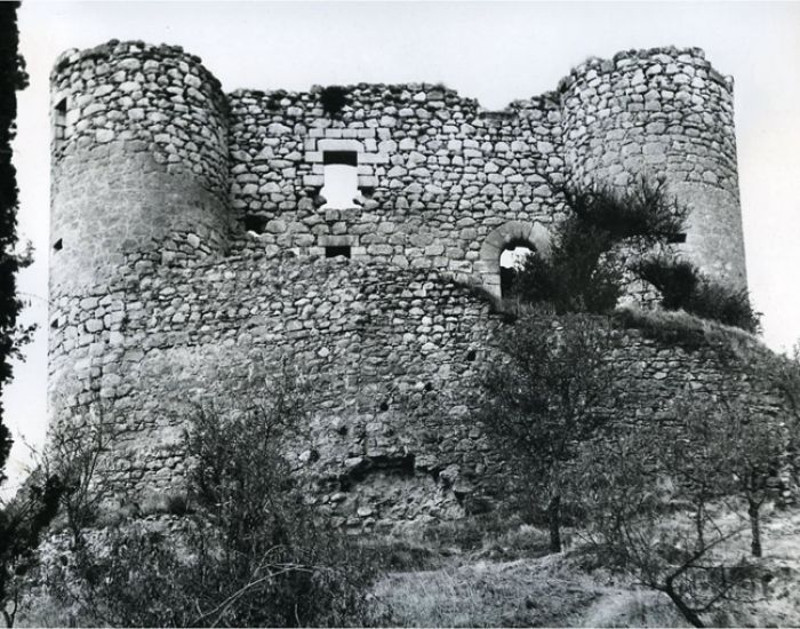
column 249, row 553
column 663, row 506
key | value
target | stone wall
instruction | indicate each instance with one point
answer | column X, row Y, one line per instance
column 372, row 344
column 390, row 359
column 436, row 175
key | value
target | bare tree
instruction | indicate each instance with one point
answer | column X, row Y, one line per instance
column 656, row 517
column 753, row 445
column 77, row 453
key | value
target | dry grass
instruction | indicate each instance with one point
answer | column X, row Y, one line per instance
column 472, row 590
column 525, row 592
column 633, row 608
column 690, row 332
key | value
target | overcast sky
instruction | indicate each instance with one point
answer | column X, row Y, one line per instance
column 494, row 51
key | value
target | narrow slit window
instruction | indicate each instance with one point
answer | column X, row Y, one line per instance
column 341, row 179
column 60, row 121
column 335, row 251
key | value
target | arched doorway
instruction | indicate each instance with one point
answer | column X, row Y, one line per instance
column 517, row 238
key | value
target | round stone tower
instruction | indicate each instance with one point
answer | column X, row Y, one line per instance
column 663, row 112
column 140, row 177
column 139, row 157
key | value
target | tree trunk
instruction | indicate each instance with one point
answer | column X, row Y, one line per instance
column 755, row 527
column 688, row 613
column 554, row 521
column 700, row 526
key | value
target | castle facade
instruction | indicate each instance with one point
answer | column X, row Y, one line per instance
column 199, row 240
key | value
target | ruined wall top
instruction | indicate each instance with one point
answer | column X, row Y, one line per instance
column 435, row 181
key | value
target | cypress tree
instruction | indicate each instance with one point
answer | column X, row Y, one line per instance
column 12, row 78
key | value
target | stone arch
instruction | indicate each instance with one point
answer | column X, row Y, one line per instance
column 535, row 235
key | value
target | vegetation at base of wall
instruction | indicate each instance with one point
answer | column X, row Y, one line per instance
column 657, row 501
column 682, row 286
column 660, row 507
column 23, row 521
column 250, row 552
column 570, row 589
column 667, row 499
column 585, row 269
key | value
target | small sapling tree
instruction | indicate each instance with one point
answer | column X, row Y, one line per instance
column 695, row 457
column 755, row 447
column 545, row 390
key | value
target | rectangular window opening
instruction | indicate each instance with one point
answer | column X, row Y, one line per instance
column 340, row 177
column 677, row 239
column 334, row 251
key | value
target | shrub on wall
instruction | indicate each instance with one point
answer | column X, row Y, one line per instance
column 683, row 286
column 581, row 275
column 592, row 247
column 333, row 99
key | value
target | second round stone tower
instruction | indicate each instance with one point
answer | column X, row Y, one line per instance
column 662, row 113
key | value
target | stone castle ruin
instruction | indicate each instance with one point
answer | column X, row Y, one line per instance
column 198, row 238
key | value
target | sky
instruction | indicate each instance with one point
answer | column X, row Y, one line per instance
column 496, row 52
